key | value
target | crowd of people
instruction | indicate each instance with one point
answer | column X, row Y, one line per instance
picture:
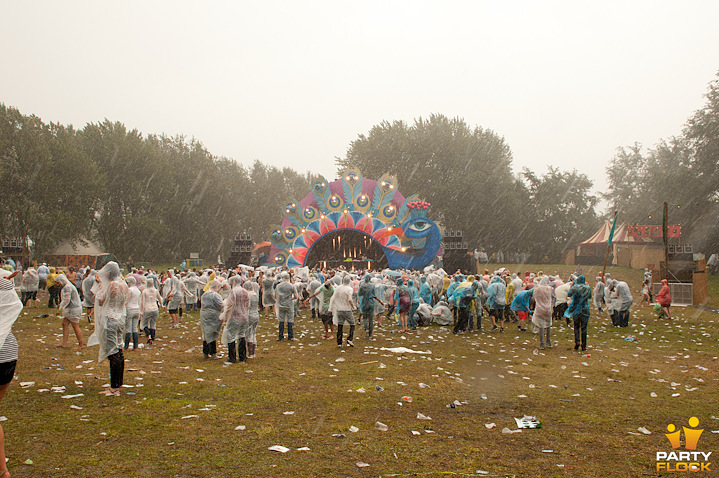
column 232, row 301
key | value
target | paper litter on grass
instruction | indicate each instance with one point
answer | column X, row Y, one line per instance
column 404, row 350
column 528, row 422
column 279, row 448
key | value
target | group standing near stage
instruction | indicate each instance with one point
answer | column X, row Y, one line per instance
column 232, row 301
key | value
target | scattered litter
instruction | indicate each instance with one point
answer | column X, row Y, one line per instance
column 421, row 416
column 74, row 396
column 653, row 395
column 288, row 413
column 631, row 338
column 506, row 430
column 490, row 425
column 354, row 429
column 27, row 462
column 339, row 435
column 341, row 359
column 57, row 389
column 547, row 451
column 378, row 388
column 407, row 399
column 27, row 384
column 521, row 396
column 362, row 464
column 75, row 407
column 303, row 448
column 481, row 472
column 279, row 448
column 483, row 396
column 404, row 350
column 423, row 385
column 190, row 416
column 528, row 422
column 381, row 426
column 360, row 390
column 644, row 430
column 414, row 432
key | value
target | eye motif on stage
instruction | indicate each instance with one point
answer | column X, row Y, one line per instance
column 375, row 209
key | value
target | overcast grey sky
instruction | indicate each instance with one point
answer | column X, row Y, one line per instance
column 292, row 83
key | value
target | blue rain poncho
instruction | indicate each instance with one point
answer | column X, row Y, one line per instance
column 521, row 301
column 425, row 291
column 580, row 293
column 495, row 293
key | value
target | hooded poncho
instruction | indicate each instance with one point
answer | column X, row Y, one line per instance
column 111, row 293
column 580, row 293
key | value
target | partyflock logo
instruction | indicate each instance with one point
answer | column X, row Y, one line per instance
column 684, row 460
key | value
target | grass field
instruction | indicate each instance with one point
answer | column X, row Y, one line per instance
column 179, row 416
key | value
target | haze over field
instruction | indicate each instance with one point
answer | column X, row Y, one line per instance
column 292, row 84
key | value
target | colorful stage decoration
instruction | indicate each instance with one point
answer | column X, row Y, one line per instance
column 653, row 231
column 408, row 238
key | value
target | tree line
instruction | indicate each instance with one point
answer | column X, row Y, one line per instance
column 157, row 198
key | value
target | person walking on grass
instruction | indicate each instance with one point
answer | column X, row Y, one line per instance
column 111, row 295
column 343, row 307
column 285, row 296
column 578, row 311
column 71, row 309
column 542, row 317
column 150, row 301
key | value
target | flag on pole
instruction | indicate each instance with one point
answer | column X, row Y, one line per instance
column 665, row 235
column 611, row 232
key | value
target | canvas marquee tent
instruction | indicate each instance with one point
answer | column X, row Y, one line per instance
column 79, row 253
column 627, row 250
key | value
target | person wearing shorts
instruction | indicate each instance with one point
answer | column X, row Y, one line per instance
column 71, row 309
column 11, row 308
column 324, row 295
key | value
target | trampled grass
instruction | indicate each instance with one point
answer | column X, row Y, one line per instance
column 590, row 407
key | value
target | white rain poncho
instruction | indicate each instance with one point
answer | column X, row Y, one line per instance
column 624, row 295
column 268, row 290
column 441, row 314
column 10, row 305
column 253, row 314
column 111, row 294
column 542, row 294
column 210, row 312
column 236, row 311
column 30, row 280
column 194, row 285
column 88, row 297
column 70, row 304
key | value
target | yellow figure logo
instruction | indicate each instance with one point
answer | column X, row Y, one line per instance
column 691, row 436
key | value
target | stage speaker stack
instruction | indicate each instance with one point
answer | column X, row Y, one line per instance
column 241, row 252
column 455, row 252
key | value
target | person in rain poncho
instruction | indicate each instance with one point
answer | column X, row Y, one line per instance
column 342, row 307
column 88, row 297
column 367, row 299
column 71, row 309
column 210, row 321
column 10, row 308
column 414, row 293
column 522, row 305
column 403, row 301
column 458, row 278
column 561, row 302
column 324, row 296
column 253, row 318
column 664, row 299
column 612, row 297
column 578, row 311
column 625, row 302
column 312, row 299
column 150, row 302
column 425, row 290
column 463, row 299
column 599, row 294
column 111, row 295
column 132, row 313
column 194, row 285
column 285, row 295
column 236, row 318
column 175, row 294
column 441, row 313
column 380, row 288
column 495, row 302
column 542, row 317
column 268, row 293
column 509, row 293
column 28, row 287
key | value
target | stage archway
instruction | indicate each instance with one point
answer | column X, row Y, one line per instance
column 349, row 248
column 398, row 225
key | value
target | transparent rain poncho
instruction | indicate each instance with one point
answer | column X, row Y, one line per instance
column 111, row 294
column 236, row 311
column 210, row 312
column 70, row 304
column 543, row 304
